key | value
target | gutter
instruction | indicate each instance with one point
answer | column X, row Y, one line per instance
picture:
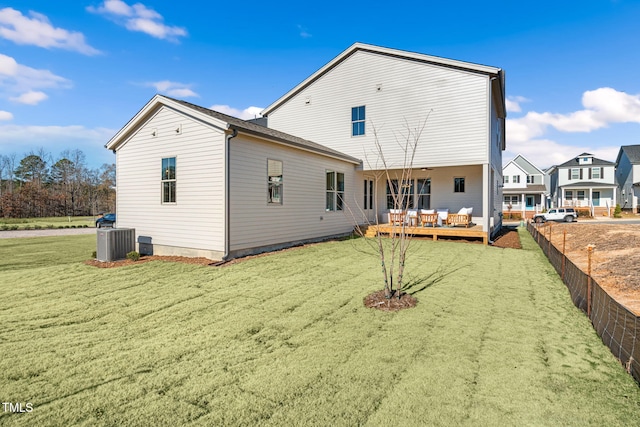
column 227, row 193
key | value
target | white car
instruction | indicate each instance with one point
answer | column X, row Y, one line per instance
column 559, row 214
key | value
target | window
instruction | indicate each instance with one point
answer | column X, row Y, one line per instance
column 568, row 195
column 516, row 179
column 505, row 179
column 424, row 193
column 458, row 185
column 596, row 173
column 575, row 173
column 274, row 182
column 580, row 194
column 368, row 194
column 400, row 198
column 529, row 179
column 511, row 200
column 335, row 191
column 357, row 120
column 169, row 180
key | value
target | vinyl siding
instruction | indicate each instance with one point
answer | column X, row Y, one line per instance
column 196, row 219
column 255, row 223
column 455, row 102
column 607, row 175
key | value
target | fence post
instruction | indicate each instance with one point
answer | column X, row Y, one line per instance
column 589, row 253
column 564, row 257
column 549, row 247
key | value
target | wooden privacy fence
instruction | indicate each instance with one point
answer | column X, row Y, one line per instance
column 616, row 325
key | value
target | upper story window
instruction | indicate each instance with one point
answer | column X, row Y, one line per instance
column 274, row 182
column 516, row 179
column 596, row 173
column 505, row 179
column 168, row 180
column 529, row 179
column 575, row 173
column 458, row 185
column 357, row 120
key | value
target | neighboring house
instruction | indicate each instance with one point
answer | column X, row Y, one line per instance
column 524, row 190
column 370, row 93
column 585, row 183
column 197, row 182
column 628, row 177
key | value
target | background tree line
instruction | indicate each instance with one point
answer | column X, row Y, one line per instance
column 39, row 185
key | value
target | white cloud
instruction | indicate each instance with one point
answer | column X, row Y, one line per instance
column 54, row 139
column 602, row 108
column 30, row 98
column 36, row 29
column 176, row 89
column 19, row 80
column 303, row 32
column 513, row 103
column 5, row 116
column 246, row 114
column 139, row 17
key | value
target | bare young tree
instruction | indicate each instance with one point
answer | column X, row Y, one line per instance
column 392, row 251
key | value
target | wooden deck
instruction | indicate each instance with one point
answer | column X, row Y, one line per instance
column 473, row 232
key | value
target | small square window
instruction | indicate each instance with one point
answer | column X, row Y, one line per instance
column 458, row 185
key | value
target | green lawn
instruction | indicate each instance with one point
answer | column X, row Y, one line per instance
column 285, row 340
column 47, row 222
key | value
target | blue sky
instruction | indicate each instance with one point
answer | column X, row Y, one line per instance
column 73, row 72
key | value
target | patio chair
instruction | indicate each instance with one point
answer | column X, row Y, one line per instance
column 443, row 214
column 463, row 217
column 428, row 216
column 397, row 216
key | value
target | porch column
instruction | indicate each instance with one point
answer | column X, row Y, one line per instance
column 524, row 206
column 487, row 214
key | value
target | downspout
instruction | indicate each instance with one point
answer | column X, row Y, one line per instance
column 227, row 193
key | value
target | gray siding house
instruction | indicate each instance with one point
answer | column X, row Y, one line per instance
column 197, row 182
column 628, row 177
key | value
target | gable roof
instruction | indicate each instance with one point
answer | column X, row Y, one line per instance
column 632, row 152
column 498, row 83
column 524, row 164
column 595, row 162
column 224, row 122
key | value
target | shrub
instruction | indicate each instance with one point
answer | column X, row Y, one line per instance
column 51, row 226
column 85, row 226
column 133, row 256
column 617, row 213
column 37, row 227
column 27, row 227
column 4, row 227
column 94, row 254
column 13, row 227
column 61, row 226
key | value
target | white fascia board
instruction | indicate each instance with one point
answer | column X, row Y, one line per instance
column 123, row 135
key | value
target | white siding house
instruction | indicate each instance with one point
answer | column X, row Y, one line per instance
column 195, row 182
column 628, row 177
column 524, row 189
column 370, row 94
column 586, row 182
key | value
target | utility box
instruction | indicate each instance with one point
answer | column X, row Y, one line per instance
column 115, row 243
column 145, row 245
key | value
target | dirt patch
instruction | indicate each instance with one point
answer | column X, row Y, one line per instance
column 508, row 237
column 143, row 259
column 379, row 301
column 615, row 259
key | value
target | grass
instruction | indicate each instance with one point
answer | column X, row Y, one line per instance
column 47, row 222
column 285, row 340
